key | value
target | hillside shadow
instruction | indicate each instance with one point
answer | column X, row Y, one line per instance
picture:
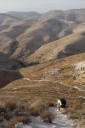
column 9, row 63
column 73, row 49
column 7, row 76
column 8, row 70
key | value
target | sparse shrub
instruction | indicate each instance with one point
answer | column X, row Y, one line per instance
column 2, row 109
column 11, row 106
column 22, row 111
column 16, row 120
column 37, row 107
column 12, row 122
column 46, row 115
column 23, row 119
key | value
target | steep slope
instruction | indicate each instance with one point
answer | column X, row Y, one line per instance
column 8, row 63
column 50, row 80
column 41, row 33
column 7, row 67
column 24, row 37
column 16, row 29
column 7, row 76
column 7, row 19
column 52, row 70
column 8, row 42
column 67, row 46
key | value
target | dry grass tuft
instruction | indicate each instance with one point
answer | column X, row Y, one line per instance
column 40, row 108
column 37, row 107
column 46, row 115
column 16, row 120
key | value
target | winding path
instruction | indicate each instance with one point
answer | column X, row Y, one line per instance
column 60, row 121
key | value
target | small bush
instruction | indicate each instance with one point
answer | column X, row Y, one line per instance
column 46, row 115
column 20, row 109
column 16, row 120
column 11, row 106
column 12, row 122
column 37, row 107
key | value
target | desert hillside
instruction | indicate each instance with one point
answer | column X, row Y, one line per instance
column 48, row 81
column 66, row 46
column 8, row 63
column 25, row 35
column 42, row 58
column 74, row 15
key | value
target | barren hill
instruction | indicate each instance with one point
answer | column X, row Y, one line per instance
column 75, row 15
column 6, row 19
column 7, row 63
column 48, row 43
column 67, row 46
column 61, row 33
column 24, row 37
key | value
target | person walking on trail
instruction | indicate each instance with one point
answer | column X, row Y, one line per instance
column 61, row 103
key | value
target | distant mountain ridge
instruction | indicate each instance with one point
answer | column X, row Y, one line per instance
column 25, row 15
column 27, row 36
column 6, row 19
column 42, row 57
column 22, row 38
column 76, row 15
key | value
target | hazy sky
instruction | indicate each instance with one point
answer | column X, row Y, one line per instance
column 40, row 5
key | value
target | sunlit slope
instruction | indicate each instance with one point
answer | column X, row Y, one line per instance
column 50, row 80
column 20, row 39
column 70, row 45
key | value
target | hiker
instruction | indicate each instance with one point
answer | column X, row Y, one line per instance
column 61, row 103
